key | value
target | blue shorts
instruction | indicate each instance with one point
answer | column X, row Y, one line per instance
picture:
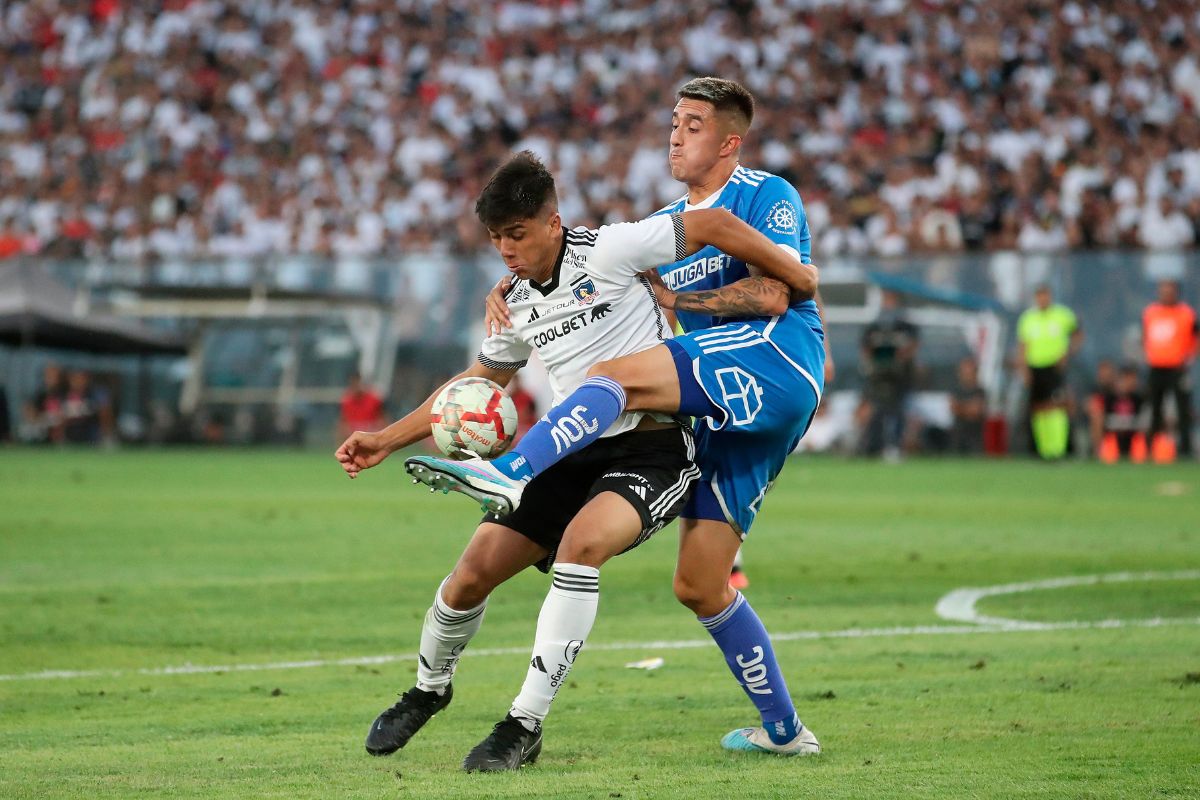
column 754, row 387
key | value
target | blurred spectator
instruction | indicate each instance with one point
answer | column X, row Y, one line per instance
column 885, row 233
column 888, row 351
column 1169, row 337
column 1122, row 435
column 1193, row 213
column 154, row 130
column 12, row 244
column 1047, row 335
column 362, row 409
column 86, row 411
column 1163, row 226
column 44, row 414
column 839, row 236
column 1043, row 230
column 968, row 405
column 937, row 228
column 1096, row 226
column 978, row 221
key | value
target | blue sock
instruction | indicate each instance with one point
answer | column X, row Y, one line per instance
column 567, row 428
column 742, row 638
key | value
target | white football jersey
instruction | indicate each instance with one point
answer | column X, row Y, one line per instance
column 594, row 308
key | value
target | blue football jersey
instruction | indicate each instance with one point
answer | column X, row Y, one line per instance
column 767, row 203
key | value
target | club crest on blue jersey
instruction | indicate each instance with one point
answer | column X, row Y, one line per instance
column 585, row 292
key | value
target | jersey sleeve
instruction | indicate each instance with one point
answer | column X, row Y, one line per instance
column 777, row 212
column 627, row 248
column 504, row 351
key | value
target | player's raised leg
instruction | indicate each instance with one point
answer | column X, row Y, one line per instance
column 707, row 549
column 636, row 382
column 494, row 555
column 606, row 526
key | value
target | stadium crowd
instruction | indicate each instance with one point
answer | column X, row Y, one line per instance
column 361, row 127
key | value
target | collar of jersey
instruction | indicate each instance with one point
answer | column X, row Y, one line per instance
column 547, row 288
column 709, row 201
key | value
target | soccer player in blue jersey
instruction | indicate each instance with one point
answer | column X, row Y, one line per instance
column 754, row 384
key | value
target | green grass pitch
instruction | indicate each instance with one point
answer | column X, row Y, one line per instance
column 118, row 565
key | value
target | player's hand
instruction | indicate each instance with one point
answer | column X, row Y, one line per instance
column 664, row 296
column 360, row 451
column 830, row 369
column 496, row 317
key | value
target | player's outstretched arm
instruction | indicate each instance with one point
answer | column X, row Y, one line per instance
column 719, row 228
column 364, row 449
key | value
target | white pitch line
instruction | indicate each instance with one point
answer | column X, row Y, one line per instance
column 677, row 644
column 959, row 605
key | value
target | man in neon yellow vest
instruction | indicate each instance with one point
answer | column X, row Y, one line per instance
column 1047, row 336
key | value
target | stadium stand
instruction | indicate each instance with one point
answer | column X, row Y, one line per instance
column 210, row 128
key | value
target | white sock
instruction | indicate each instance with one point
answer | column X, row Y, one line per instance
column 737, row 558
column 443, row 638
column 564, row 624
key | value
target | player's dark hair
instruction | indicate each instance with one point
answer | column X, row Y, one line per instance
column 520, row 189
column 728, row 97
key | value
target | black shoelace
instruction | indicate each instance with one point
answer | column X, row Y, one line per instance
column 412, row 700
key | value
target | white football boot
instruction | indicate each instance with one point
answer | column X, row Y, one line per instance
column 495, row 492
column 756, row 740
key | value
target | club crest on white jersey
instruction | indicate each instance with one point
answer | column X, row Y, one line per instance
column 595, row 307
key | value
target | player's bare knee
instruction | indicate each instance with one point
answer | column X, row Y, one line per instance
column 580, row 550
column 601, row 368
column 701, row 599
column 605, row 369
column 636, row 392
column 688, row 593
column 466, row 587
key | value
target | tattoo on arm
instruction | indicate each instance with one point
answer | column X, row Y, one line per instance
column 753, row 296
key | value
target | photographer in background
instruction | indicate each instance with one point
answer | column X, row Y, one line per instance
column 889, row 352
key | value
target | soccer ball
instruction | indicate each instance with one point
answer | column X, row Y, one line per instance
column 473, row 414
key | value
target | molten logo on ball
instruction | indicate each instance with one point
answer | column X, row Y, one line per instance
column 475, row 415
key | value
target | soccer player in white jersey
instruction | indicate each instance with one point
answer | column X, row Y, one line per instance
column 754, row 385
column 578, row 298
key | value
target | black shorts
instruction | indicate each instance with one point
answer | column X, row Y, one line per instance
column 653, row 470
column 1168, row 379
column 1045, row 384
